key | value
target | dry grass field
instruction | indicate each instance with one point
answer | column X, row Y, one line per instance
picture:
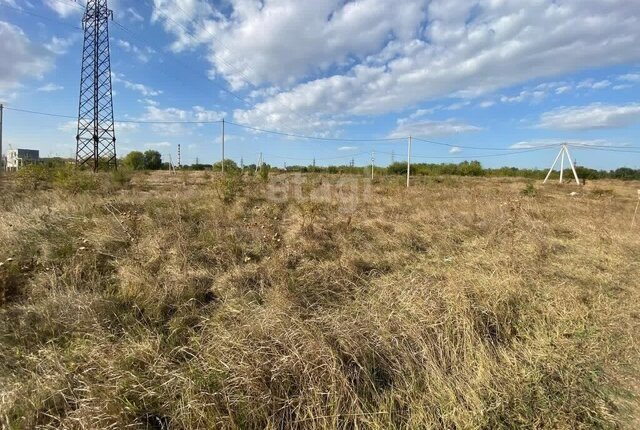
column 190, row 301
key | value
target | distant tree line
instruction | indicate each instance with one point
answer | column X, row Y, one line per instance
column 152, row 160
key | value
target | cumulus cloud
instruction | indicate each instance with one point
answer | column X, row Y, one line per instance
column 455, row 150
column 21, row 58
column 65, row 8
column 254, row 40
column 347, row 148
column 382, row 58
column 427, row 128
column 593, row 116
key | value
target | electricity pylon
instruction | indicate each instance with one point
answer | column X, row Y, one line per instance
column 96, row 138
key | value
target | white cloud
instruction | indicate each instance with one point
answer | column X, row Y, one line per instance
column 458, row 105
column 347, row 148
column 141, row 88
column 542, row 143
column 593, row 116
column 144, row 55
column 72, row 126
column 157, row 145
column 487, row 104
column 621, row 87
column 50, row 87
column 455, row 150
column 21, row 59
column 526, row 95
column 254, row 41
column 630, row 77
column 593, row 84
column 133, row 15
column 197, row 113
column 384, row 58
column 60, row 46
column 563, row 89
column 429, row 128
column 65, row 8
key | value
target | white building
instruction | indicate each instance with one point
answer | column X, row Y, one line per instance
column 17, row 158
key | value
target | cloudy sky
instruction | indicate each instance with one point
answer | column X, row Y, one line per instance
column 487, row 74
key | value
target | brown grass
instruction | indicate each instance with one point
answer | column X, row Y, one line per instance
column 192, row 301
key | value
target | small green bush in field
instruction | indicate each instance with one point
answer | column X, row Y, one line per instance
column 229, row 187
column 34, row 177
column 264, row 172
column 73, row 180
column 528, row 190
column 121, row 177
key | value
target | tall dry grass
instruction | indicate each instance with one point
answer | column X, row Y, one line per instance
column 193, row 302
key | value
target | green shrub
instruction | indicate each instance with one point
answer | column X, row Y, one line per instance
column 264, row 172
column 121, row 178
column 228, row 187
column 528, row 190
column 34, row 177
column 74, row 180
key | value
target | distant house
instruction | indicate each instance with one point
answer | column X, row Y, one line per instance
column 16, row 158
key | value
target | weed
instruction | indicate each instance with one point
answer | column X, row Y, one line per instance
column 528, row 190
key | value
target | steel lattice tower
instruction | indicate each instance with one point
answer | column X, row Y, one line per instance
column 96, row 138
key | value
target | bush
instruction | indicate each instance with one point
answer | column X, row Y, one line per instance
column 134, row 160
column 121, row 178
column 229, row 187
column 264, row 172
column 229, row 166
column 74, row 180
column 528, row 190
column 34, row 177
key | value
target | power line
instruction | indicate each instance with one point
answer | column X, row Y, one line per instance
column 300, row 136
column 462, row 157
column 315, row 158
column 481, row 148
column 129, row 121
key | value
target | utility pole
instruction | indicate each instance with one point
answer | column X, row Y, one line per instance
column 241, row 164
column 178, row 155
column 564, row 152
column 409, row 162
column 393, row 157
column 223, row 146
column 1, row 125
column 372, row 163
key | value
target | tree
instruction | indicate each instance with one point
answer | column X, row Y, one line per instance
column 229, row 166
column 134, row 160
column 152, row 160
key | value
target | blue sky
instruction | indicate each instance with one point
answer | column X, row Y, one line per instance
column 492, row 74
